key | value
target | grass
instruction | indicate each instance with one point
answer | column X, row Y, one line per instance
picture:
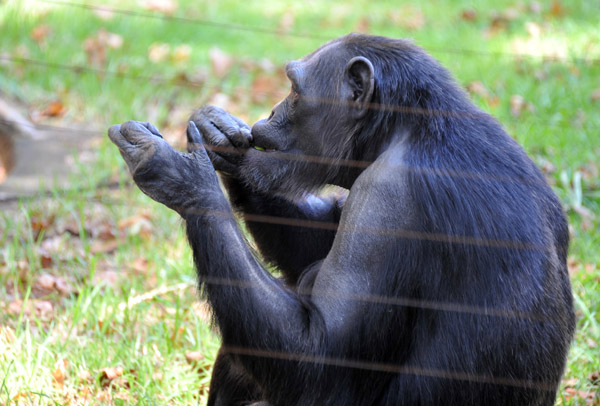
column 70, row 263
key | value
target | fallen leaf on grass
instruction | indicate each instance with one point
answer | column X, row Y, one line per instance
column 108, row 278
column 594, row 378
column 469, row 14
column 557, row 9
column 595, row 95
column 263, row 88
column 287, row 21
column 182, row 53
column 588, row 397
column 221, row 62
column 59, row 374
column 7, row 334
column 573, row 265
column 138, row 224
column 43, row 308
column 363, row 25
column 49, row 283
column 168, row 7
column 139, row 266
column 518, row 105
column 104, row 247
column 408, row 17
column 109, row 375
column 39, row 33
column 158, row 52
column 54, row 109
column 194, row 356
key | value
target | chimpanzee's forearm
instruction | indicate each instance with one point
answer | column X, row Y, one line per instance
column 289, row 234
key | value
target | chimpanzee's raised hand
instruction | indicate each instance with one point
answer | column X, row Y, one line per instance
column 226, row 137
column 180, row 181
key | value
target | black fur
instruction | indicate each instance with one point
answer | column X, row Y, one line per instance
column 441, row 280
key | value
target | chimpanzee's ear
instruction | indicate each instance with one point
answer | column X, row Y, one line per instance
column 359, row 84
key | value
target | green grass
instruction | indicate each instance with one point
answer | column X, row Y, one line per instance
column 67, row 234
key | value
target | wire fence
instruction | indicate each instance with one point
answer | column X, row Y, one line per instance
column 295, row 222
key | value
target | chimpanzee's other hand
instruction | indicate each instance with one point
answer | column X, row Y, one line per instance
column 227, row 138
column 179, row 181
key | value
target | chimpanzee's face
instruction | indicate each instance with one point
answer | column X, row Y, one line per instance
column 307, row 132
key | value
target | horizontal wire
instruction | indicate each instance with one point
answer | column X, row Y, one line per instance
column 390, row 300
column 182, row 82
column 389, row 368
column 286, row 33
column 322, row 160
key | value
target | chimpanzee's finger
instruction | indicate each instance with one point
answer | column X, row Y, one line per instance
column 234, row 129
column 136, row 132
column 114, row 133
column 219, row 163
column 152, row 129
column 195, row 140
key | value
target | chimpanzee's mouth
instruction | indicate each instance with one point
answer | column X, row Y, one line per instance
column 262, row 149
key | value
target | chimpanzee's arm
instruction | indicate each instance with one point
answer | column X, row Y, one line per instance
column 284, row 339
column 289, row 234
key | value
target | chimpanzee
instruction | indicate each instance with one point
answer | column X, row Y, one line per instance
column 440, row 279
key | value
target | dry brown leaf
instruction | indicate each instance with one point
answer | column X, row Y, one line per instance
column 110, row 39
column 46, row 282
column 14, row 307
column 363, row 25
column 140, row 265
column 595, row 95
column 43, row 308
column 594, row 378
column 469, row 14
column 221, row 62
column 571, row 382
column 182, row 53
column 287, row 21
column 45, row 259
column 108, row 277
column 557, row 9
column 54, row 109
column 104, row 246
column 535, row 7
column 104, row 13
column 573, row 265
column 518, row 104
column 111, row 373
column 263, row 88
column 194, row 356
column 95, row 52
column 7, row 334
column 478, row 88
column 59, row 374
column 168, row 7
column 138, row 224
column 39, row 33
column 158, row 52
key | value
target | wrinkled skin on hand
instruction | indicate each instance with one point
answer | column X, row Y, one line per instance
column 227, row 138
column 180, row 181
